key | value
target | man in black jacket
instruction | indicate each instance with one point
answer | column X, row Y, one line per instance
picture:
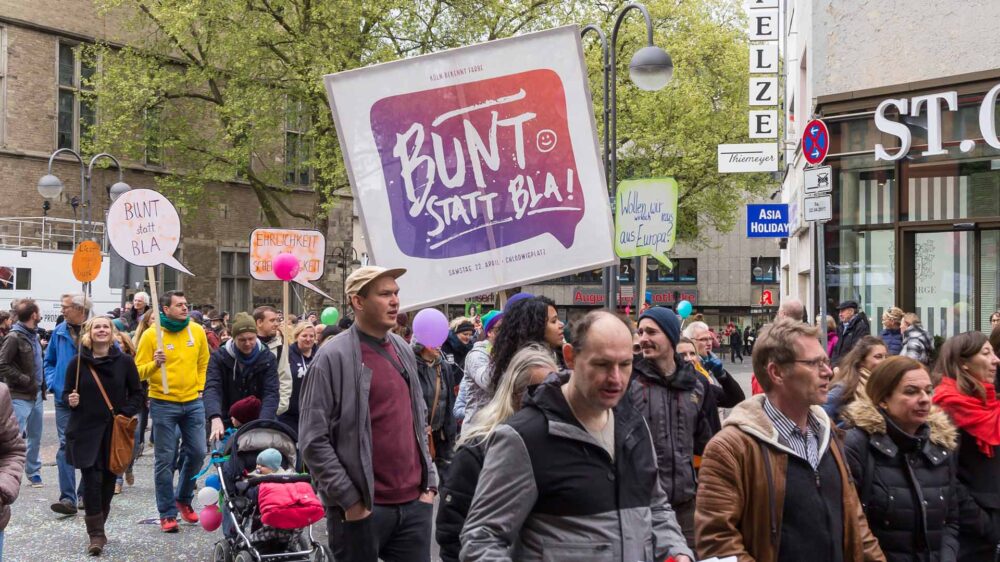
column 21, row 369
column 243, row 367
column 572, row 475
column 674, row 400
column 853, row 326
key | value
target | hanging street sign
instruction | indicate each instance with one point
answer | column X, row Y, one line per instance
column 819, row 208
column 815, row 141
column 818, row 180
column 751, row 157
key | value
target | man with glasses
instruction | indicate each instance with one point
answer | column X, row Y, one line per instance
column 727, row 390
column 58, row 356
column 776, row 455
column 175, row 403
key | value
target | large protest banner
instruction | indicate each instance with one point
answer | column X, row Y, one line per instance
column 477, row 168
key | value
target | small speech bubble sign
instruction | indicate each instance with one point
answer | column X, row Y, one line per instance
column 144, row 228
column 646, row 218
column 309, row 246
column 87, row 261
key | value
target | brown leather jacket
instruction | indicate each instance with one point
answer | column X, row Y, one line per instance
column 734, row 506
column 12, row 451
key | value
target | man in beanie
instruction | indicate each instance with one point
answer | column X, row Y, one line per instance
column 672, row 397
column 242, row 367
column 362, row 421
column 459, row 343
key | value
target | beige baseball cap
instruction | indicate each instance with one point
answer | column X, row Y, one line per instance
column 365, row 275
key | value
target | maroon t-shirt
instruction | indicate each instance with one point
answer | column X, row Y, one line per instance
column 395, row 453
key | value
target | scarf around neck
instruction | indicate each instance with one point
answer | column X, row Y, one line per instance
column 979, row 418
column 171, row 325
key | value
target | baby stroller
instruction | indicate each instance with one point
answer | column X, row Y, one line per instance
column 251, row 540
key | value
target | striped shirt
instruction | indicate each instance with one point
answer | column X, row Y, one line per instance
column 805, row 444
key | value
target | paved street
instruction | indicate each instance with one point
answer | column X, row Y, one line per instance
column 36, row 533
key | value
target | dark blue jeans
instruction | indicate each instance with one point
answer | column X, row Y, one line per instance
column 169, row 418
column 393, row 533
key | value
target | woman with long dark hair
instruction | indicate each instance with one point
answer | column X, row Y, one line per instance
column 901, row 453
column 967, row 367
column 106, row 375
column 852, row 374
column 528, row 321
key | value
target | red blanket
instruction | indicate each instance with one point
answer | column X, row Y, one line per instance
column 288, row 506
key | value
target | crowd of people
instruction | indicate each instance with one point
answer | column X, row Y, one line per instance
column 604, row 440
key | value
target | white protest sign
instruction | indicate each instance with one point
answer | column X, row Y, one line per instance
column 477, row 169
column 144, row 228
column 309, row 246
column 646, row 218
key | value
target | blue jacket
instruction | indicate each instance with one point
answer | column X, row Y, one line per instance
column 893, row 340
column 58, row 355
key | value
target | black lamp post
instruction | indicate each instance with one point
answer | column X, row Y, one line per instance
column 347, row 258
column 651, row 68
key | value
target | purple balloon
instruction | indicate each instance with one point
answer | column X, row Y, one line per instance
column 430, row 327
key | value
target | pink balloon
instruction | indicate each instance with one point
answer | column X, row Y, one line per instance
column 210, row 518
column 286, row 266
column 430, row 327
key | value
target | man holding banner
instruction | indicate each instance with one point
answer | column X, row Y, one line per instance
column 175, row 402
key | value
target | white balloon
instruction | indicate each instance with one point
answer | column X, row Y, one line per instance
column 208, row 496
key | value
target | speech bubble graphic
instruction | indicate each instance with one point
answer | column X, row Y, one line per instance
column 646, row 218
column 144, row 228
column 309, row 246
column 476, row 166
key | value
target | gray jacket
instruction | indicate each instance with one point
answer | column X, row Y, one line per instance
column 335, row 432
column 549, row 491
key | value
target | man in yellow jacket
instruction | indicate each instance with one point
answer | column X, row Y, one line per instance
column 176, row 376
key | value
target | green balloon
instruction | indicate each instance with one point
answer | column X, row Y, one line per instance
column 330, row 316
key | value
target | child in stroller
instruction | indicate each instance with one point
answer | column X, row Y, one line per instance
column 268, row 508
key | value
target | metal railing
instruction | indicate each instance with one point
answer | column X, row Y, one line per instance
column 46, row 233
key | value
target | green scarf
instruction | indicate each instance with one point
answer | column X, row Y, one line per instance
column 171, row 325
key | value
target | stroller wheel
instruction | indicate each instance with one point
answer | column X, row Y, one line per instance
column 244, row 556
column 322, row 554
column 223, row 552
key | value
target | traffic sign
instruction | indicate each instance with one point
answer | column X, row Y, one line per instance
column 818, row 180
column 815, row 141
column 819, row 208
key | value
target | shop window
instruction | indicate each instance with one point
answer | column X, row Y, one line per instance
column 764, row 270
column 861, row 267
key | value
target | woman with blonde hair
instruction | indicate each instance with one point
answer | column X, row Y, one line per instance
column 528, row 367
column 145, row 323
column 967, row 367
column 852, row 374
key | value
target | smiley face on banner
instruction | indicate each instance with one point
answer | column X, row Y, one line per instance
column 144, row 228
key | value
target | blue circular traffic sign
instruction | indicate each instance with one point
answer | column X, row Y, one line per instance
column 815, row 141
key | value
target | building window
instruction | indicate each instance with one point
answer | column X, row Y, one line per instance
column 77, row 114
column 764, row 270
column 3, row 82
column 153, row 132
column 685, row 271
column 15, row 278
column 297, row 146
column 234, row 268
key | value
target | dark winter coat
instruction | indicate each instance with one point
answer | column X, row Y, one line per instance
column 679, row 420
column 299, row 366
column 849, row 334
column 12, row 455
column 979, row 532
column 18, row 365
column 907, row 484
column 88, row 432
column 438, row 378
column 228, row 382
column 456, row 497
column 455, row 351
column 736, row 340
column 893, row 339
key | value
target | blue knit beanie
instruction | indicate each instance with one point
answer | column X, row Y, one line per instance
column 270, row 458
column 667, row 320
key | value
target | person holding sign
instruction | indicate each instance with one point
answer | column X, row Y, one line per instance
column 177, row 406
column 107, row 384
column 368, row 457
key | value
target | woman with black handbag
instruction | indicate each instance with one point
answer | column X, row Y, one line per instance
column 106, row 386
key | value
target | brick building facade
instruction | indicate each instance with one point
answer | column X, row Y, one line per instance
column 39, row 108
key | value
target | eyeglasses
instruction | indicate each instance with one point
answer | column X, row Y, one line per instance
column 816, row 364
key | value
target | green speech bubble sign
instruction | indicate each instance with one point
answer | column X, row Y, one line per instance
column 646, row 218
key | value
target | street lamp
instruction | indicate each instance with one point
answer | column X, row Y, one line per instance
column 651, row 68
column 343, row 254
column 50, row 186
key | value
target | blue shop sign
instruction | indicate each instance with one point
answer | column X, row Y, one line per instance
column 767, row 221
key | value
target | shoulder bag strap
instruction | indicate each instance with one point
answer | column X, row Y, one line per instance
column 97, row 379
column 385, row 355
column 437, row 393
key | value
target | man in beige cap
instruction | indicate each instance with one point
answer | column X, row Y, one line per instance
column 361, row 416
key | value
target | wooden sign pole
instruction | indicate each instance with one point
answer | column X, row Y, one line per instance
column 151, row 272
column 286, row 324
